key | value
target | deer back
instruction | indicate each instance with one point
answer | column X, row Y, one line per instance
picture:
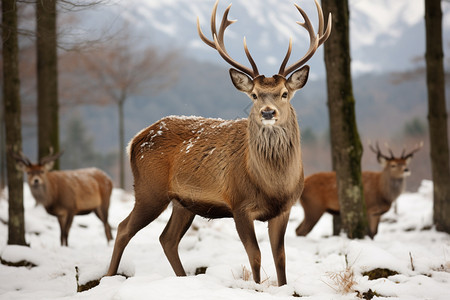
column 80, row 190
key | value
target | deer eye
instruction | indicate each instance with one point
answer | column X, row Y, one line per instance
column 285, row 95
column 254, row 96
column 393, row 166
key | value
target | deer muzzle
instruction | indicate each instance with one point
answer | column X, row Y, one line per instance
column 268, row 116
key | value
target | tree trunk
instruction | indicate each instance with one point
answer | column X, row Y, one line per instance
column 121, row 144
column 2, row 148
column 11, row 99
column 437, row 115
column 47, row 78
column 345, row 142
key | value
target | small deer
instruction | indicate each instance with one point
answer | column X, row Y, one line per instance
column 381, row 189
column 248, row 169
column 65, row 194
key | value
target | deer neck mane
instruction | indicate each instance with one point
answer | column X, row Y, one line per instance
column 274, row 155
column 391, row 187
column 42, row 193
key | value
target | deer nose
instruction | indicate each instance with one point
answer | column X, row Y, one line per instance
column 406, row 170
column 268, row 114
column 36, row 181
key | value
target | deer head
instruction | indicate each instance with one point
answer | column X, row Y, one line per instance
column 396, row 167
column 36, row 172
column 271, row 96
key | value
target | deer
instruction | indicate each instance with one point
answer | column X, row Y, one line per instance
column 381, row 189
column 67, row 193
column 246, row 169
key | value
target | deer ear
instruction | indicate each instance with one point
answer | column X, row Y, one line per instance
column 241, row 81
column 298, row 79
column 382, row 161
column 20, row 166
column 49, row 165
column 408, row 160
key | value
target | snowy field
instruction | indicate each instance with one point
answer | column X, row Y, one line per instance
column 318, row 266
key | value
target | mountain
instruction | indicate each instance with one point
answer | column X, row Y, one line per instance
column 385, row 35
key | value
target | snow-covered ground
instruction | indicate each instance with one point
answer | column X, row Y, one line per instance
column 319, row 266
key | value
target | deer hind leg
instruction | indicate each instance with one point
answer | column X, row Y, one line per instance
column 179, row 222
column 246, row 231
column 143, row 213
column 277, row 229
column 312, row 216
column 102, row 213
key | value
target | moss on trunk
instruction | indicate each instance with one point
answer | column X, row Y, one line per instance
column 345, row 142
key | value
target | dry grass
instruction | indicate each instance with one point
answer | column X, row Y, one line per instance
column 247, row 275
column 342, row 282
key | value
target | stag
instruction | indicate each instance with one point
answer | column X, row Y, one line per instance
column 65, row 194
column 248, row 169
column 381, row 189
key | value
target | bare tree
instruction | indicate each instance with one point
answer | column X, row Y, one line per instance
column 345, row 143
column 119, row 71
column 437, row 115
column 11, row 100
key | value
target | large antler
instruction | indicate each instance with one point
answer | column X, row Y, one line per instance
column 411, row 153
column 315, row 40
column 377, row 151
column 21, row 158
column 50, row 157
column 218, row 43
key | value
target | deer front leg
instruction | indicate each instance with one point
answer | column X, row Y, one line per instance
column 62, row 222
column 246, row 231
column 65, row 221
column 373, row 225
column 277, row 229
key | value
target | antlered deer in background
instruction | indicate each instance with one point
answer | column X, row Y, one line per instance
column 65, row 194
column 381, row 189
column 249, row 169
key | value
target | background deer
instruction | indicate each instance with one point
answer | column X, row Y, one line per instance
column 249, row 169
column 65, row 194
column 381, row 189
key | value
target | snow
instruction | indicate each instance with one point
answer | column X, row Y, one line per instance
column 405, row 244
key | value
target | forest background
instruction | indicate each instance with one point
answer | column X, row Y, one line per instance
column 389, row 83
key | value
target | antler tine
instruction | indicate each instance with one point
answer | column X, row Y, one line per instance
column 315, row 40
column 389, row 149
column 223, row 25
column 21, row 157
column 377, row 151
column 218, row 41
column 403, row 152
column 50, row 157
column 411, row 153
column 250, row 59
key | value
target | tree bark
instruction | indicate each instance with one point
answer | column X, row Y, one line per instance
column 47, row 78
column 437, row 115
column 121, row 143
column 345, row 143
column 2, row 148
column 11, row 100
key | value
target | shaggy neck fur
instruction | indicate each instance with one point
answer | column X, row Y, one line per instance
column 391, row 187
column 40, row 193
column 274, row 157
